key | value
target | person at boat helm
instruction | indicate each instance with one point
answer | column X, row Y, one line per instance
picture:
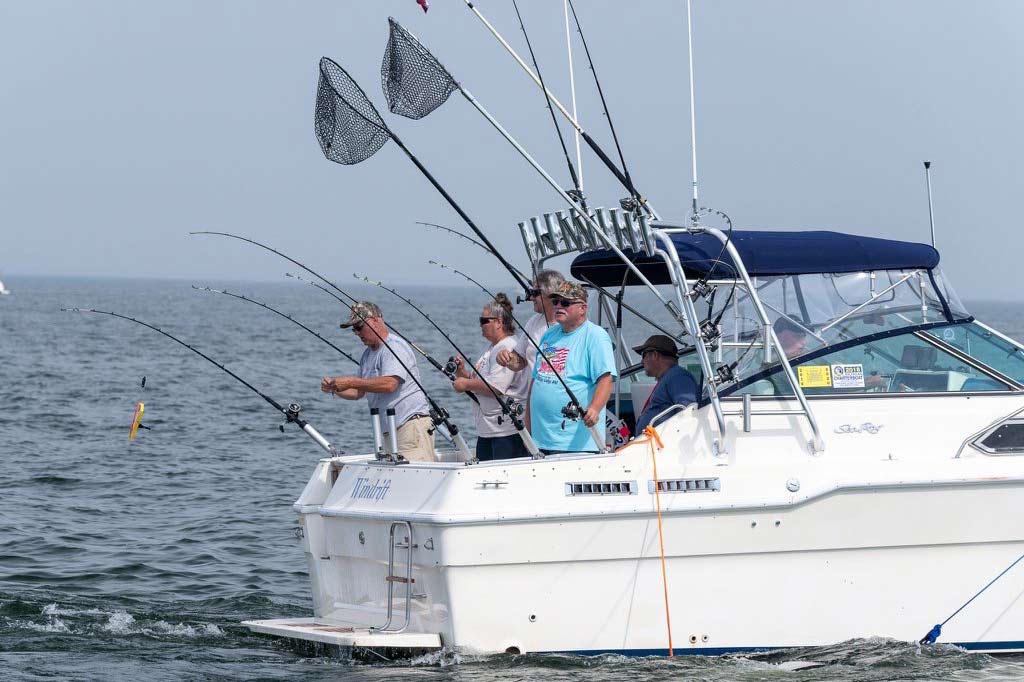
column 675, row 385
column 496, row 434
column 581, row 352
column 384, row 382
column 520, row 358
column 792, row 337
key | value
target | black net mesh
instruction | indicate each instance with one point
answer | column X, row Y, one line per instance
column 414, row 81
column 347, row 125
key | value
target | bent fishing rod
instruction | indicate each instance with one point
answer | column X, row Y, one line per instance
column 438, row 415
column 291, row 413
column 416, row 83
column 510, row 407
column 468, row 239
column 351, row 130
column 622, row 177
column 291, row 319
column 573, row 410
column 449, row 369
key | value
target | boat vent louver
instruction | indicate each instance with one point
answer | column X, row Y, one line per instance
column 601, row 488
column 686, row 485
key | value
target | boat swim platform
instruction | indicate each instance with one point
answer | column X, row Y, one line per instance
column 321, row 632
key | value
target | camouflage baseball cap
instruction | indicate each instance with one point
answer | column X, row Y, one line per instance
column 361, row 312
column 573, row 291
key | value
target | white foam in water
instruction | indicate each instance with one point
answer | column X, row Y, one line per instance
column 183, row 630
column 119, row 622
column 55, row 610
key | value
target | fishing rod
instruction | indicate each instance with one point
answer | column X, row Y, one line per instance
column 467, row 238
column 626, row 182
column 241, row 297
column 547, row 101
column 510, row 407
column 438, row 415
column 449, row 369
column 600, row 92
column 572, row 88
column 573, row 410
column 416, row 83
column 351, row 130
column 291, row 413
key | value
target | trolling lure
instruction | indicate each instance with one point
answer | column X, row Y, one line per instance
column 140, row 407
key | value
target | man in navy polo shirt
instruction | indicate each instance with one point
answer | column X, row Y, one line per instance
column 675, row 385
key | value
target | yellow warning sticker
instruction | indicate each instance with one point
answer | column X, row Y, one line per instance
column 816, row 376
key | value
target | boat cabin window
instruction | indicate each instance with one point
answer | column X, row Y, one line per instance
column 985, row 346
column 914, row 362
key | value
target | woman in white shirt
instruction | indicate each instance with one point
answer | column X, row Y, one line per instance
column 496, row 435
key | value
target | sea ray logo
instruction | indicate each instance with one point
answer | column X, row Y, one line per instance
column 366, row 490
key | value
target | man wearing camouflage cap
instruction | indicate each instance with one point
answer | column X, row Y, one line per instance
column 581, row 352
column 385, row 383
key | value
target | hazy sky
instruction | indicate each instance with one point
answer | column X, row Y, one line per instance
column 127, row 124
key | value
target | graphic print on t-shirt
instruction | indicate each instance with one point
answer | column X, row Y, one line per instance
column 558, row 358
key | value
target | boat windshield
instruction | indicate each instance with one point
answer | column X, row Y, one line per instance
column 827, row 315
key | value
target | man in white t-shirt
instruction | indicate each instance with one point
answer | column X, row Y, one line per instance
column 521, row 358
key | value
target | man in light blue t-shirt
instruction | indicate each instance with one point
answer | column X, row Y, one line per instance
column 581, row 352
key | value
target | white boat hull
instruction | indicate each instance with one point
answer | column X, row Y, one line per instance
column 887, row 534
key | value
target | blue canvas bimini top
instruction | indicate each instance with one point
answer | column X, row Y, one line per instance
column 765, row 253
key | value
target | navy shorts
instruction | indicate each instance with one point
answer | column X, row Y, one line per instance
column 500, row 447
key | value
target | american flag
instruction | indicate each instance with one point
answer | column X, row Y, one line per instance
column 558, row 357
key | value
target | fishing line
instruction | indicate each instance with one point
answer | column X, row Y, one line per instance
column 291, row 412
column 467, row 238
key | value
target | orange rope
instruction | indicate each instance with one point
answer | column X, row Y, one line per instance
column 652, row 438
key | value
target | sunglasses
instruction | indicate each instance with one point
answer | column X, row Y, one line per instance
column 560, row 302
column 485, row 320
column 358, row 327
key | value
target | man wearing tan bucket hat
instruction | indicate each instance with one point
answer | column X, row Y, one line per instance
column 675, row 385
column 384, row 382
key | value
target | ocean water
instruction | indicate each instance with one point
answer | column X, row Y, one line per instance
column 137, row 560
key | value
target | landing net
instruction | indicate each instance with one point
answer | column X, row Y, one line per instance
column 347, row 125
column 414, row 82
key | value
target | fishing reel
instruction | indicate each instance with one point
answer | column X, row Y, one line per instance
column 571, row 413
column 724, row 374
column 577, row 196
column 710, row 334
column 516, row 410
column 701, row 289
column 291, row 415
column 531, row 294
column 451, row 368
column 438, row 416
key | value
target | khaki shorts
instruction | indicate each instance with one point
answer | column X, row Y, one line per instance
column 415, row 443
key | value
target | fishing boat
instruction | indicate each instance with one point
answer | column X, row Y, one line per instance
column 4, row 290
column 861, row 485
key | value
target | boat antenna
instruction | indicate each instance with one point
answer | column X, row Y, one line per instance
column 695, row 218
column 416, row 83
column 573, row 410
column 931, row 216
column 572, row 87
column 637, row 199
column 547, row 100
column 242, row 297
column 350, row 130
column 600, row 92
column 510, row 407
column 438, row 415
column 291, row 413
